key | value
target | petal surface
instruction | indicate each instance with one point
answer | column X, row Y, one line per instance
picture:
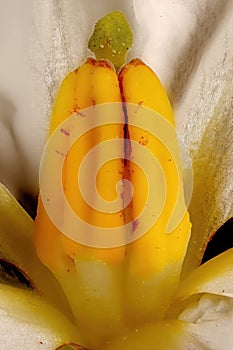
column 205, row 324
column 213, row 334
column 215, row 276
column 205, row 123
column 166, row 335
column 212, row 321
column 28, row 322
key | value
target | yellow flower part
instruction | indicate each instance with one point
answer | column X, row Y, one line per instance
column 115, row 288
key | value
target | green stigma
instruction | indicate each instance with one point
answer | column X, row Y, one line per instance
column 112, row 38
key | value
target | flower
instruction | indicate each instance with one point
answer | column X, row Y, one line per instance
column 204, row 111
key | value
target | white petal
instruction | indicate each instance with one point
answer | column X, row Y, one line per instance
column 14, row 91
column 165, row 28
column 173, row 33
column 212, row 319
column 205, row 122
column 28, row 322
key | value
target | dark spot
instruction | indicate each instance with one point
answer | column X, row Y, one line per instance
column 135, row 224
column 60, row 153
column 75, row 108
column 81, row 114
column 143, row 141
column 65, row 132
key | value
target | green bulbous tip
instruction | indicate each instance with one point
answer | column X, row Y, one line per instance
column 112, row 38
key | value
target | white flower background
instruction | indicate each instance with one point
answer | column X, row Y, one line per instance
column 189, row 44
